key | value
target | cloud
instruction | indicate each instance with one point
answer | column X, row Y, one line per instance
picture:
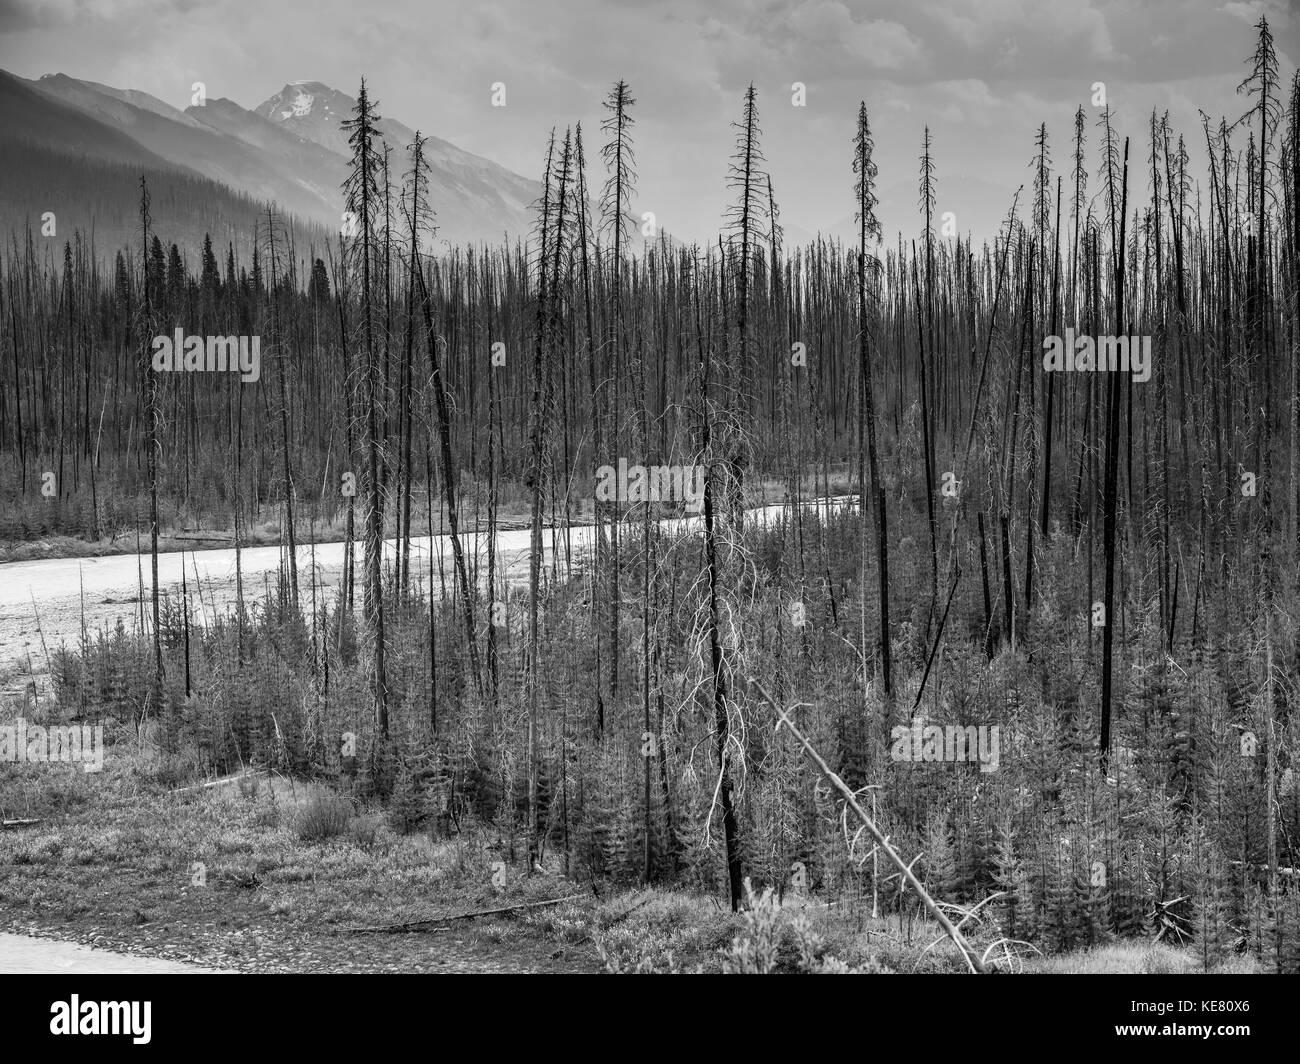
column 1008, row 54
column 19, row 15
column 983, row 74
column 1249, row 10
column 829, row 28
column 968, row 100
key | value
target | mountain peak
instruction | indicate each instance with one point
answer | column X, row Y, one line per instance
column 311, row 109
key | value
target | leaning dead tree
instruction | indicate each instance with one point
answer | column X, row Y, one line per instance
column 882, row 841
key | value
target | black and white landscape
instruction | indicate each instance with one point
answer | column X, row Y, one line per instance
column 792, row 486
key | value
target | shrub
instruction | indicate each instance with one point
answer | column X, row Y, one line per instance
column 325, row 817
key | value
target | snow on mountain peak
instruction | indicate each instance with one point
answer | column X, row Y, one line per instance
column 301, row 100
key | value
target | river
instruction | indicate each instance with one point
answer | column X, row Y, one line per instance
column 42, row 601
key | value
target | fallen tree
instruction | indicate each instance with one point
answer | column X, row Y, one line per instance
column 429, row 925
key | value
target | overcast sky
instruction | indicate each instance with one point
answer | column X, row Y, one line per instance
column 982, row 73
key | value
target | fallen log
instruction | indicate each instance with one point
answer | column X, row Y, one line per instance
column 221, row 782
column 426, row 925
column 627, row 912
column 9, row 824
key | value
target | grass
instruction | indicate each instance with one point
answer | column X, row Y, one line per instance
column 1137, row 958
column 267, row 873
column 127, row 861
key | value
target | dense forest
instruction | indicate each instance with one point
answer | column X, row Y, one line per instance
column 1097, row 568
column 97, row 208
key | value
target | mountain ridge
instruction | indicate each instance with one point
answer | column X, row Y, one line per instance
column 291, row 150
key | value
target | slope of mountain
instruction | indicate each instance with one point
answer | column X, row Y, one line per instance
column 315, row 167
column 139, row 99
column 31, row 117
column 62, row 159
column 199, row 148
column 475, row 198
column 99, row 198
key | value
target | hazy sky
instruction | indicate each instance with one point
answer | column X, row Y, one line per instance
column 982, row 73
